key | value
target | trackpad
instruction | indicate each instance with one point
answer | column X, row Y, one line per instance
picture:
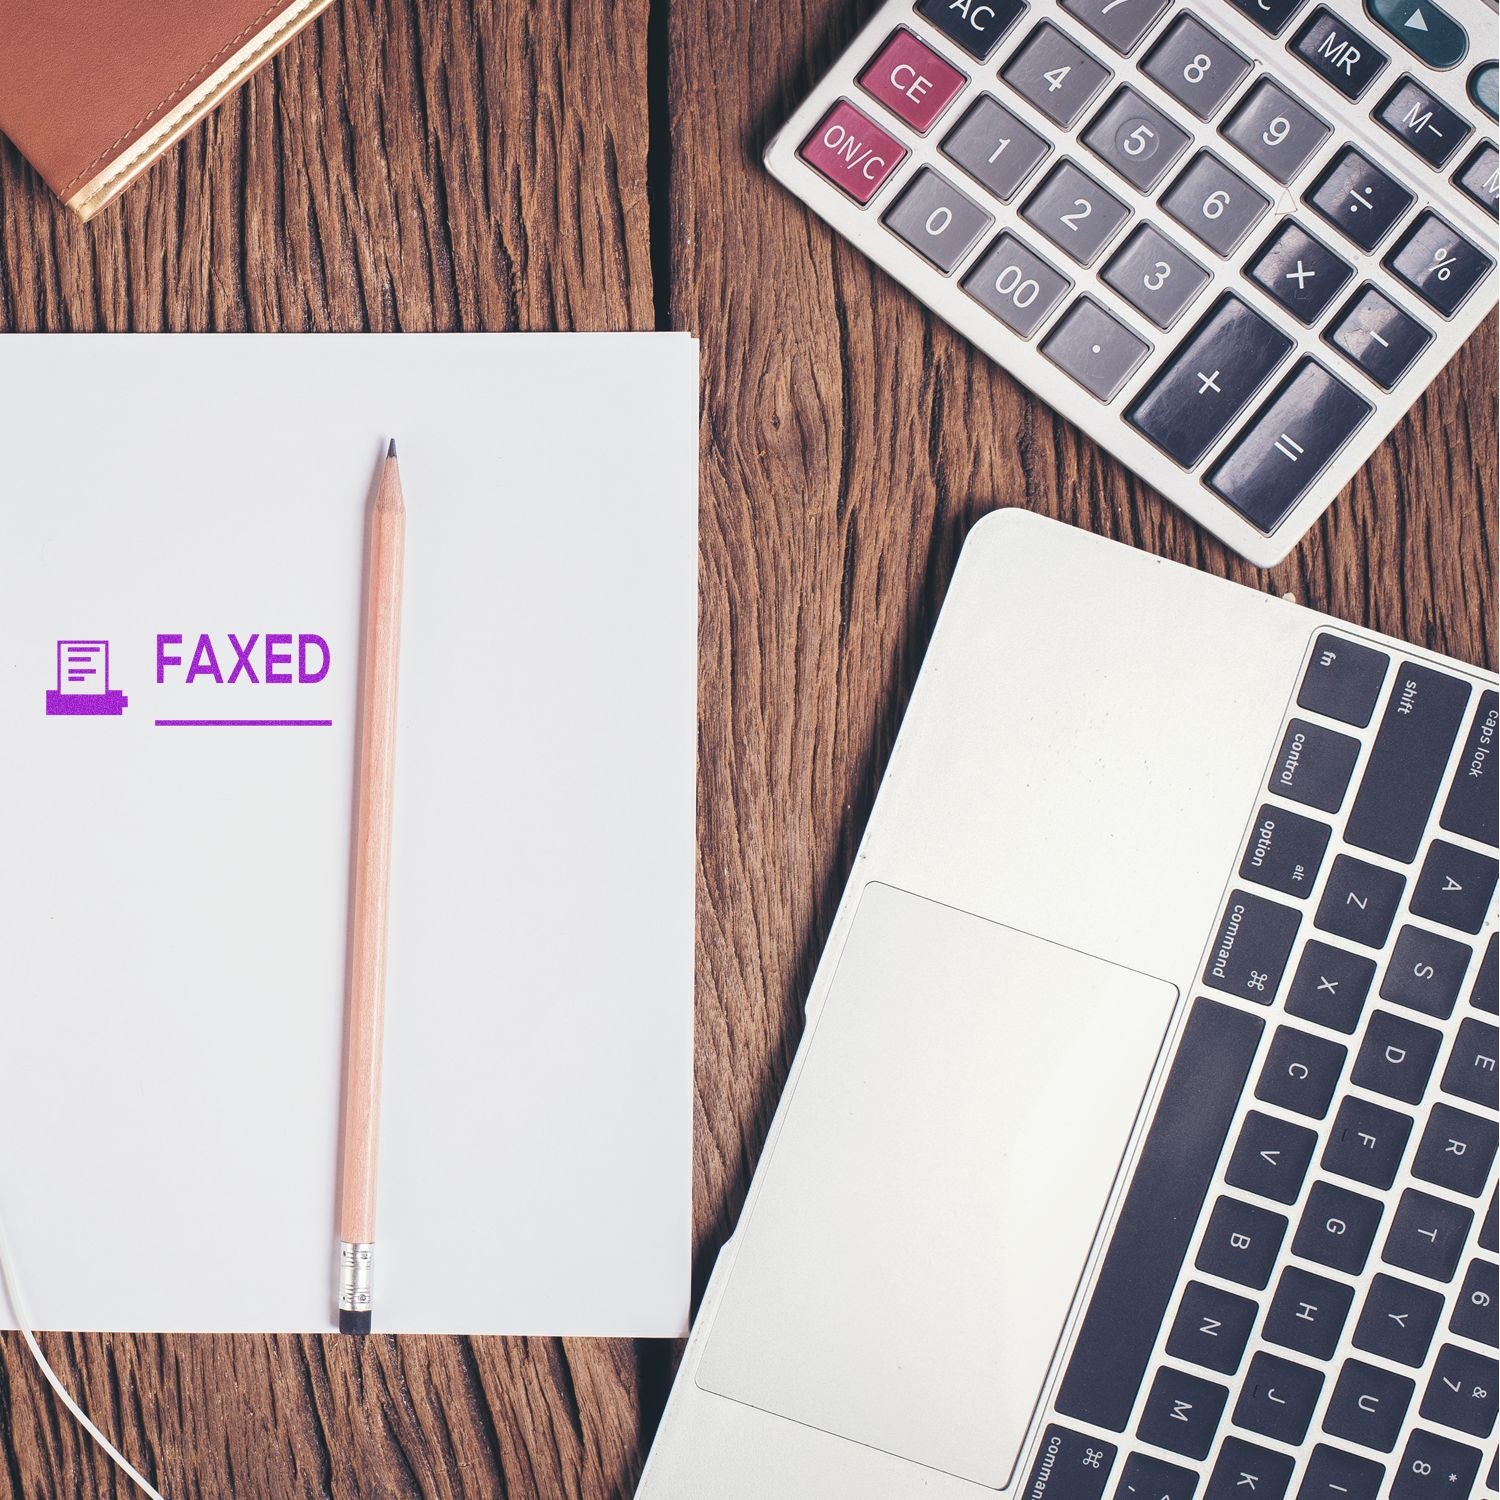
column 904, row 1273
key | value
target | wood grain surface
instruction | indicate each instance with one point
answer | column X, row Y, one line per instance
column 437, row 164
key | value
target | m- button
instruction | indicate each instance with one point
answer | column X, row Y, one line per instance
column 912, row 81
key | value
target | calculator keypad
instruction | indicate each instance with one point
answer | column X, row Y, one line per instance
column 1244, row 241
column 938, row 221
column 1274, row 131
column 1214, row 203
column 1055, row 75
column 1097, row 350
column 1076, row 212
column 1020, row 288
column 1337, row 53
column 1358, row 199
column 1136, row 139
column 1300, row 272
column 1196, row 66
column 1155, row 276
column 995, row 147
column 976, row 28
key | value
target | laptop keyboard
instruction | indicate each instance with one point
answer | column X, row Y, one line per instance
column 1299, row 1294
column 1159, row 216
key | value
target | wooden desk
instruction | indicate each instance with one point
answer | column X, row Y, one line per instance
column 444, row 164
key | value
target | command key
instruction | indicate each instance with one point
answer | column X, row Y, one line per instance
column 1069, row 1466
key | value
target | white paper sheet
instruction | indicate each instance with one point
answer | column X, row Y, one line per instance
column 173, row 898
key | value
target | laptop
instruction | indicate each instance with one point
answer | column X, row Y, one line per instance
column 1141, row 1140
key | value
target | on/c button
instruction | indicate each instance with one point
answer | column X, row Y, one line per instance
column 911, row 80
column 852, row 151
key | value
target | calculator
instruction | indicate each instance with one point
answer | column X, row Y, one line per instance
column 1233, row 241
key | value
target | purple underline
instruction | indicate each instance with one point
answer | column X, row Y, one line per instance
column 244, row 723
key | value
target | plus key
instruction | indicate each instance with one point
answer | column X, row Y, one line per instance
column 1201, row 390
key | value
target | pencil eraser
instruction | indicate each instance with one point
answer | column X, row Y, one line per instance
column 353, row 1322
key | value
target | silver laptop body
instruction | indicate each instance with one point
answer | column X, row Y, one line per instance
column 1066, row 885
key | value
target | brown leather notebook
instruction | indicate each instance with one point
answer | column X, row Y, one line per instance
column 93, row 91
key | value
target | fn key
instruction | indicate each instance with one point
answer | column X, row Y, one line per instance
column 1291, row 440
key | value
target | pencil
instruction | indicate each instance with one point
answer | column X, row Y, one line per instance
column 364, row 1018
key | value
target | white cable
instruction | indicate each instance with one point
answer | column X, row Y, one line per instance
column 13, row 1293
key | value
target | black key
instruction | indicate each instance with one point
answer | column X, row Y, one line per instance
column 1427, row 1235
column 1456, row 1150
column 1343, row 680
column 976, row 28
column 1206, row 384
column 1407, row 761
column 1358, row 199
column 1438, row 263
column 1479, row 178
column 1337, row 52
column 1461, row 1392
column 1435, row 1468
column 1337, row 1228
column 1484, row 87
column 1489, row 1232
column 1333, row 1474
column 1424, row 28
column 1251, row 948
column 1455, row 886
column 1241, row 1242
column 1421, row 121
column 1470, row 1073
column 1269, row 15
column 1277, row 1398
column 1181, row 1413
column 1150, row 1241
column 1285, row 851
column 1245, row 1469
column 1330, row 986
column 1368, row 1405
column 1288, row 443
column 1367, row 1142
column 1313, row 765
column 1271, row 1157
column 1475, row 1312
column 1425, row 971
column 1473, row 805
column 1301, row 273
column 1486, row 992
column 1211, row 1327
column 1379, row 337
column 1307, row 1313
column 1070, row 1466
column 1147, row 1478
column 1396, row 1057
column 1359, row 901
column 1121, row 23
column 1301, row 1072
column 1398, row 1320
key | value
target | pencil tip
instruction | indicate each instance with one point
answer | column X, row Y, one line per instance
column 391, row 451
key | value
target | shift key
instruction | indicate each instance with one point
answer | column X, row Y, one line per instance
column 1405, row 770
column 1473, row 806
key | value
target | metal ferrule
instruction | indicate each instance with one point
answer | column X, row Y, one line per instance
column 356, row 1276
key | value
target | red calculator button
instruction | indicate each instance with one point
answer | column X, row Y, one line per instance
column 911, row 80
column 852, row 152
